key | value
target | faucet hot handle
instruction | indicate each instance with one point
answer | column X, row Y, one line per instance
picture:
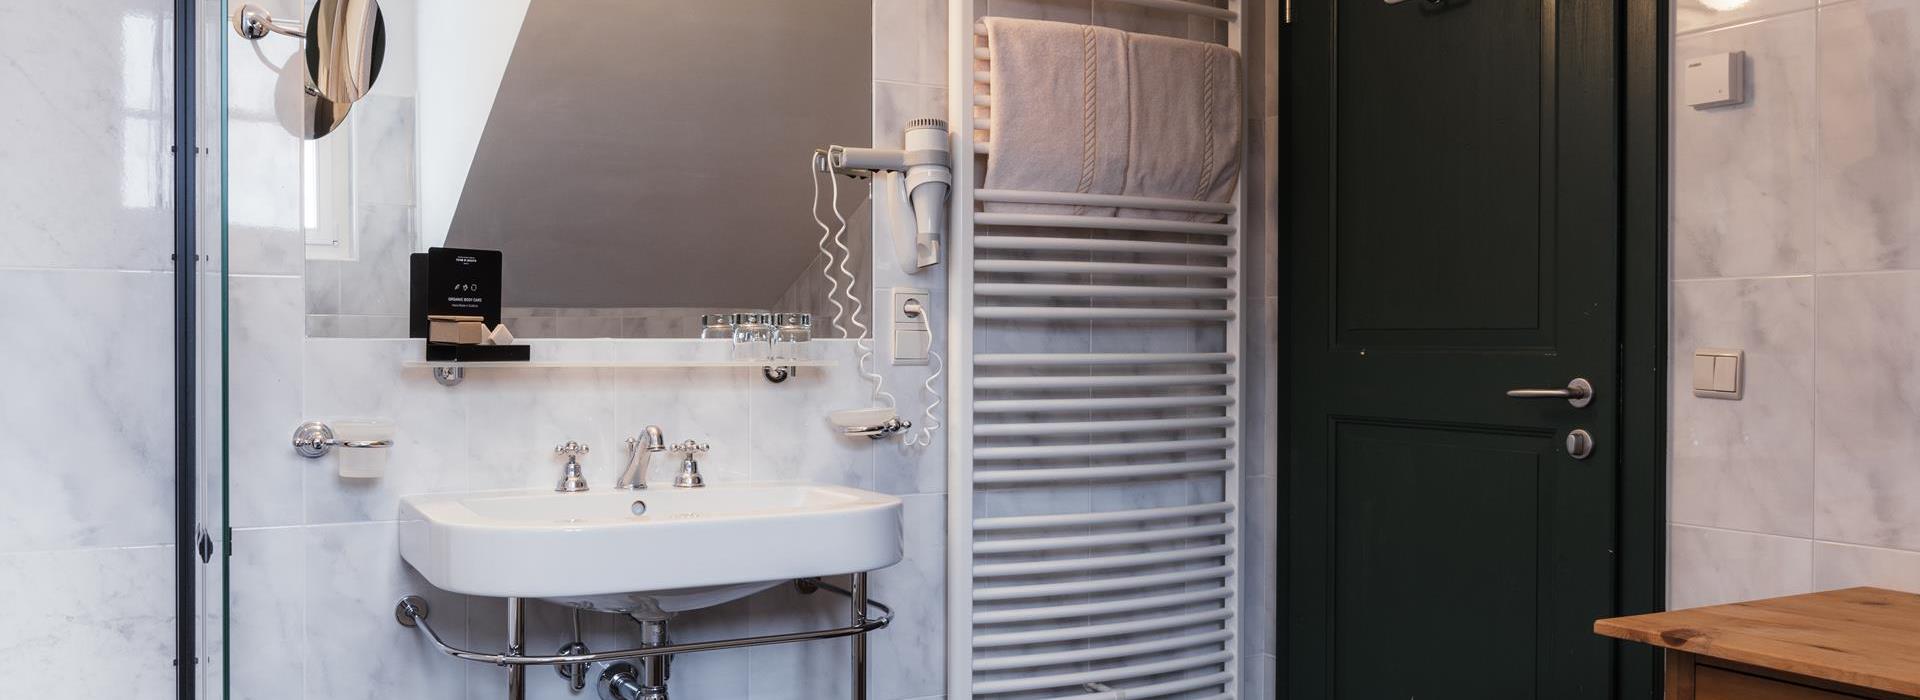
column 571, row 449
column 691, row 448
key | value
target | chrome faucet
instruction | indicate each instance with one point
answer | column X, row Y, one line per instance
column 641, row 451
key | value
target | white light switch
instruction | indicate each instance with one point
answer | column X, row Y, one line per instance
column 1715, row 81
column 1717, row 373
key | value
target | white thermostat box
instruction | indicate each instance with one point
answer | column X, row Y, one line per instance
column 1714, row 81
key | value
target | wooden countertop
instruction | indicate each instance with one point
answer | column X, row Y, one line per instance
column 1864, row 637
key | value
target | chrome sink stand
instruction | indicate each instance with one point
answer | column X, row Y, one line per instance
column 622, row 681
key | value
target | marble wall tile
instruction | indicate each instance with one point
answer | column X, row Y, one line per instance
column 267, row 598
column 1844, row 566
column 350, row 378
column 894, row 104
column 377, row 282
column 1708, row 567
column 793, row 438
column 1743, row 175
column 1867, row 402
column 82, row 605
column 1696, row 15
column 708, row 405
column 355, row 649
column 264, row 390
column 98, row 375
column 88, row 124
column 1746, row 464
column 1056, row 10
column 383, row 150
column 910, row 41
column 515, row 418
column 804, row 671
column 1869, row 77
column 908, row 658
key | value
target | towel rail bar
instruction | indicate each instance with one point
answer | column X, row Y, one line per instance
column 1107, row 291
column 1116, row 223
column 1099, row 427
column 1105, row 607
column 1057, row 658
column 411, row 611
column 1160, row 690
column 1018, row 522
column 1106, row 585
column 1102, row 358
column 1109, row 539
column 1121, row 381
column 1014, row 685
column 1124, row 403
column 1111, row 629
column 1003, row 477
column 1102, row 200
column 1089, row 564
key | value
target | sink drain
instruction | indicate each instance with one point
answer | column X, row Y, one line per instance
column 639, row 507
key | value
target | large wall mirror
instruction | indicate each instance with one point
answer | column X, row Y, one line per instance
column 638, row 162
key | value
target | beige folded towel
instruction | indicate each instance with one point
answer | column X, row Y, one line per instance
column 1078, row 108
column 1059, row 118
column 1187, row 123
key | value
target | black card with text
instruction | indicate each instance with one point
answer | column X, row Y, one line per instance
column 455, row 282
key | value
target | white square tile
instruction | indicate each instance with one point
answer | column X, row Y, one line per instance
column 1867, row 402
column 910, row 41
column 1845, row 566
column 1710, row 567
column 86, row 431
column 1746, row 464
column 1743, row 176
column 93, row 604
column 1869, row 185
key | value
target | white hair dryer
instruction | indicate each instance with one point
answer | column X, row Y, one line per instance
column 910, row 189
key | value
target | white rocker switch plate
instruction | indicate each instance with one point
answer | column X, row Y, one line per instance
column 1718, row 373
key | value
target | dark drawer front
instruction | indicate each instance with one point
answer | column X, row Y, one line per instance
column 1720, row 684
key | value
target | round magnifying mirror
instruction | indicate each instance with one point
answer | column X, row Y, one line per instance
column 346, row 43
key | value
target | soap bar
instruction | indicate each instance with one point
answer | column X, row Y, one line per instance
column 458, row 330
column 499, row 336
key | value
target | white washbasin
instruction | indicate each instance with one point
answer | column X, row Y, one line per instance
column 689, row 549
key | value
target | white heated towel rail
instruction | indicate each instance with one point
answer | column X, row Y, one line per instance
column 1093, row 514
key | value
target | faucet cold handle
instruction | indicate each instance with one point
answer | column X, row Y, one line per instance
column 689, row 476
column 572, row 480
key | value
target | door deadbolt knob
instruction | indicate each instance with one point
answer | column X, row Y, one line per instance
column 1579, row 443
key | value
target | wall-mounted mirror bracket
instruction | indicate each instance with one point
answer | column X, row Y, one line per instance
column 255, row 23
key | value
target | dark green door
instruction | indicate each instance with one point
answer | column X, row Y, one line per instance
column 1454, row 193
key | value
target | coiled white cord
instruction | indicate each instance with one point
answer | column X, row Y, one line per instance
column 924, row 438
column 814, row 167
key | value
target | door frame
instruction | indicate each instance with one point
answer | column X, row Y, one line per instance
column 1642, row 93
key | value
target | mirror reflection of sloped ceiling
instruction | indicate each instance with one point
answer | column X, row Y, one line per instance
column 654, row 152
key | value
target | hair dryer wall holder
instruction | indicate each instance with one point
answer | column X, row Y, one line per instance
column 910, row 188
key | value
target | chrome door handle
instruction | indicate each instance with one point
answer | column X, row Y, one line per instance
column 1578, row 393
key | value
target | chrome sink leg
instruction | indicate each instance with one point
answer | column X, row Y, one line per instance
column 516, row 646
column 653, row 633
column 859, row 640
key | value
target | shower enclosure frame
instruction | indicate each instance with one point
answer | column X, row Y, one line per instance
column 188, row 538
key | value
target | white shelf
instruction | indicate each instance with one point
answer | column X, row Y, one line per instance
column 593, row 364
